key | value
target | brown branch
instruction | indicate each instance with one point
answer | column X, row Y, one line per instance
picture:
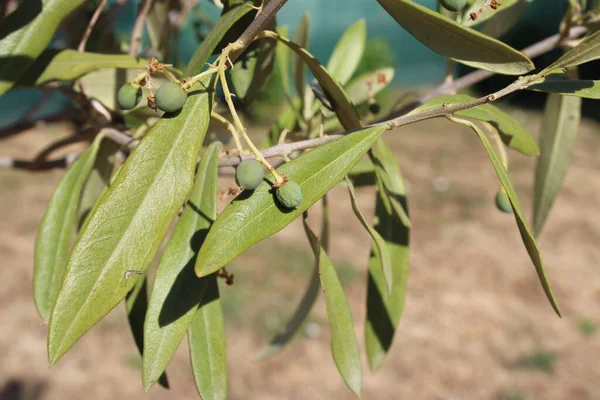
column 90, row 26
column 138, row 27
column 63, row 162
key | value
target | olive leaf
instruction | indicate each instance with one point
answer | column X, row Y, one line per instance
column 177, row 291
column 511, row 132
column 302, row 38
column 127, row 225
column 383, row 310
column 586, row 51
column 348, row 52
column 252, row 217
column 486, row 13
column 452, row 40
column 528, row 239
column 136, row 303
column 369, row 84
column 160, row 28
column 26, row 32
column 504, row 20
column 557, row 140
column 208, row 347
column 344, row 347
column 558, row 82
column 55, row 233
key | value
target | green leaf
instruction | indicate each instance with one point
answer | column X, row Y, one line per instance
column 69, row 65
column 383, row 310
column 382, row 250
column 344, row 347
column 282, row 60
column 26, row 32
column 177, row 291
column 512, row 134
column 55, row 234
column 308, row 299
column 505, row 19
column 253, row 216
column 302, row 38
column 126, row 227
column 557, row 82
column 160, row 28
column 208, row 347
column 486, row 13
column 136, row 303
column 253, row 69
column 208, row 45
column 557, row 140
column 347, row 52
column 530, row 244
column 452, row 40
column 586, row 51
column 369, row 84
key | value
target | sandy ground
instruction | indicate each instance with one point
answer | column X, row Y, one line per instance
column 476, row 325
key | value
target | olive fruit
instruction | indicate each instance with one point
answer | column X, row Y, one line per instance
column 374, row 108
column 170, row 97
column 289, row 194
column 249, row 174
column 453, row 5
column 129, row 96
column 503, row 203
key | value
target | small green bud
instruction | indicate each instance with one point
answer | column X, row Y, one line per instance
column 453, row 5
column 249, row 174
column 129, row 96
column 170, row 97
column 374, row 108
column 289, row 194
column 502, row 202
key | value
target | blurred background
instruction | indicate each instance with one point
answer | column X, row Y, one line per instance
column 476, row 324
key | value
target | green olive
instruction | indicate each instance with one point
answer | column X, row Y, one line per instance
column 170, row 97
column 129, row 96
column 289, row 195
column 374, row 108
column 453, row 5
column 503, row 202
column 249, row 174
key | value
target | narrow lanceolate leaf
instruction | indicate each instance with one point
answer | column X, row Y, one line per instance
column 308, row 299
column 159, row 27
column 486, row 13
column 69, row 65
column 347, row 52
column 302, row 38
column 342, row 105
column 208, row 347
column 136, row 303
column 557, row 139
column 528, row 239
column 26, row 32
column 369, row 84
column 282, row 60
column 382, row 250
column 126, row 227
column 56, row 232
column 177, row 291
column 254, row 216
column 586, row 51
column 383, row 310
column 511, row 132
column 344, row 347
column 557, row 82
column 504, row 20
column 455, row 41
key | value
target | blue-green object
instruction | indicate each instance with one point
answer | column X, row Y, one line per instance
column 129, row 96
column 170, row 97
column 289, row 195
column 249, row 174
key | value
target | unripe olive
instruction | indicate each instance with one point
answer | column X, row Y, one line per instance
column 170, row 97
column 249, row 174
column 453, row 5
column 503, row 203
column 374, row 108
column 129, row 96
column 289, row 194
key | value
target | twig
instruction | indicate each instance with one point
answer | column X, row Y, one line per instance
column 84, row 136
column 90, row 26
column 138, row 28
column 63, row 162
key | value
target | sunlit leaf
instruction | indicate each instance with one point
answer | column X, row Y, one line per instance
column 302, row 38
column 586, row 51
column 254, row 216
column 347, row 52
column 455, row 41
column 177, row 291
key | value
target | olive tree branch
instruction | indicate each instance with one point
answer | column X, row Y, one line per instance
column 90, row 27
column 138, row 28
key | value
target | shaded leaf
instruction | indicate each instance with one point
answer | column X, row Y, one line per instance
column 512, row 134
column 26, row 32
column 254, row 216
column 528, row 240
column 302, row 38
column 486, row 13
column 208, row 347
column 347, row 52
column 160, row 28
column 125, row 229
column 557, row 140
column 282, row 60
column 505, row 19
column 177, row 291
column 557, row 82
column 453, row 40
column 369, row 84
column 56, row 232
column 344, row 347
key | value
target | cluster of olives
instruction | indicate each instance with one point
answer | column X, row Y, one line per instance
column 453, row 5
column 170, row 97
column 250, row 173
